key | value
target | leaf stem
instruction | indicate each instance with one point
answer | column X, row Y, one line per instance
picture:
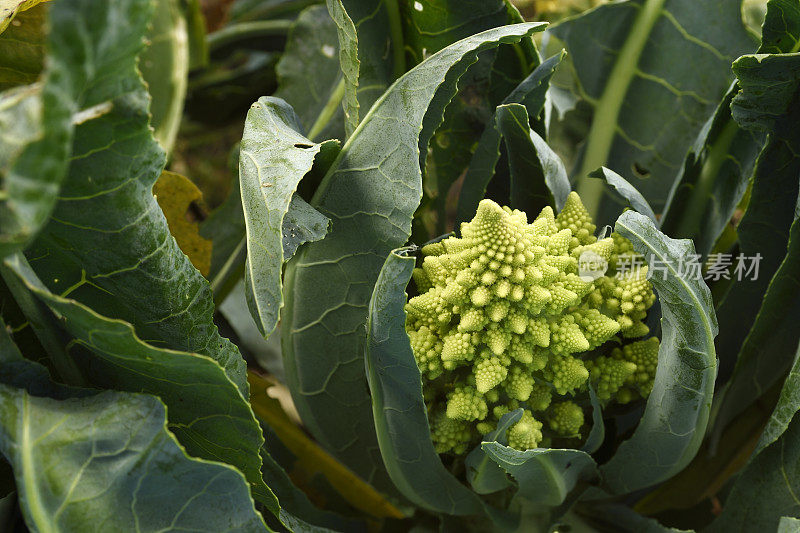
column 396, row 33
column 43, row 323
column 328, row 111
column 247, row 30
column 606, row 112
column 695, row 211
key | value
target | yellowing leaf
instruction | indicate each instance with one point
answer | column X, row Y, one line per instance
column 180, row 199
column 9, row 9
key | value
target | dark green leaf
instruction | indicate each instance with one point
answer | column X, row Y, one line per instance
column 766, row 353
column 401, row 419
column 309, row 75
column 763, row 237
column 427, row 28
column 538, row 177
column 76, row 459
column 207, row 412
column 370, row 194
column 769, row 99
column 273, row 158
column 780, row 33
column 531, row 92
column 648, row 104
column 22, row 48
column 108, row 245
column 677, row 411
column 713, row 180
column 621, row 186
column 545, row 476
column 768, row 486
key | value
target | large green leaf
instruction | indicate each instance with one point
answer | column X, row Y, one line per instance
column 207, row 412
column 531, row 92
column 370, row 194
column 713, row 179
column 677, row 411
column 273, row 158
column 401, row 419
column 165, row 68
column 76, row 460
column 309, row 75
column 107, row 244
column 538, row 177
column 768, row 486
column 22, row 48
column 648, row 104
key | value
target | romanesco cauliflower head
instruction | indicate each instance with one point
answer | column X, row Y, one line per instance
column 504, row 320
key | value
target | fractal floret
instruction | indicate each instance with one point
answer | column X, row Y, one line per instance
column 515, row 315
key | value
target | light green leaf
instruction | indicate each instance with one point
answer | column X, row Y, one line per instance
column 207, row 412
column 165, row 68
column 598, row 432
column 22, row 48
column 677, row 411
column 788, row 405
column 401, row 419
column 370, row 194
column 371, row 53
column 621, row 186
column 648, row 105
column 76, row 459
column 789, row 524
column 714, row 177
column 545, row 476
column 484, row 475
column 309, row 75
column 107, row 244
column 273, row 158
column 531, row 92
column 538, row 177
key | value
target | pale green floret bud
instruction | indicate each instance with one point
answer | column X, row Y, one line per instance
column 565, row 419
column 526, row 433
column 504, row 319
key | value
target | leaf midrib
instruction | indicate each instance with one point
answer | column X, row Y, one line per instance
column 606, row 111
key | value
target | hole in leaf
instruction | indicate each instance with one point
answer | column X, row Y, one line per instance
column 639, row 171
column 302, row 145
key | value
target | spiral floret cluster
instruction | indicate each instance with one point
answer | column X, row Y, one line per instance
column 504, row 320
